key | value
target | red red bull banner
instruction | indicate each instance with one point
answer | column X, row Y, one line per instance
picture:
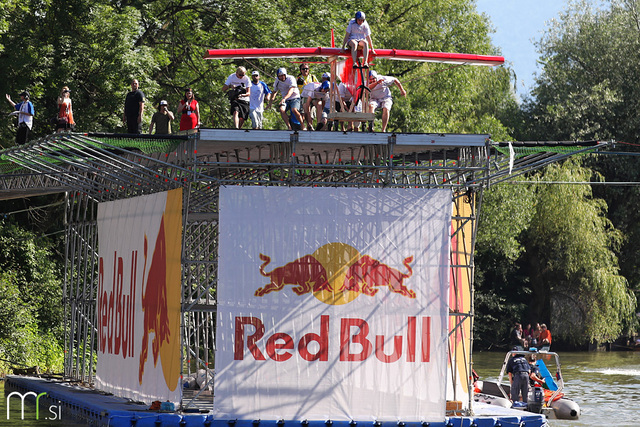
column 138, row 298
column 332, row 303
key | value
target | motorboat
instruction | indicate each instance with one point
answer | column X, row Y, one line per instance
column 547, row 398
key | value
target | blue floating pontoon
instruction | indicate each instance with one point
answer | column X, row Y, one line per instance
column 99, row 409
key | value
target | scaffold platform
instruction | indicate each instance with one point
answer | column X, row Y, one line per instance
column 94, row 168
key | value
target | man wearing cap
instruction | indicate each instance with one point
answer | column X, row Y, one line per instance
column 321, row 94
column 259, row 90
column 24, row 110
column 380, row 95
column 290, row 93
column 358, row 35
column 162, row 119
column 239, row 95
column 133, row 108
column 519, row 370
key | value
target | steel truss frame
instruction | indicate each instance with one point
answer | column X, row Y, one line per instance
column 91, row 171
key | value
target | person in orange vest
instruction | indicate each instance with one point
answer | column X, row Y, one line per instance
column 545, row 335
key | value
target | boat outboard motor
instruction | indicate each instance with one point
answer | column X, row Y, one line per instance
column 535, row 405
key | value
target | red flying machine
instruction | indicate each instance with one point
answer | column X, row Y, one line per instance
column 354, row 80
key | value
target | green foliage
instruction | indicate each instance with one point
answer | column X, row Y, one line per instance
column 30, row 300
column 588, row 88
column 96, row 48
column 575, row 266
column 502, row 288
column 548, row 253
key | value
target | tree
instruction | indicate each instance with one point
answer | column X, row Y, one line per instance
column 96, row 48
column 588, row 90
column 570, row 250
column 501, row 284
column 546, row 252
column 30, row 301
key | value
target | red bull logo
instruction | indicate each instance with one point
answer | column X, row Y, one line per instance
column 336, row 274
column 161, row 295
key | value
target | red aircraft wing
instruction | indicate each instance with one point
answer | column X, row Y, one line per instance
column 306, row 52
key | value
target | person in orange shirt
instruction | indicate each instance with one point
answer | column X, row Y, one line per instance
column 545, row 335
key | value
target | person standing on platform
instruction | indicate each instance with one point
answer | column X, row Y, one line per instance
column 24, row 110
column 322, row 94
column 133, row 109
column 304, row 78
column 259, row 90
column 290, row 93
column 64, row 120
column 190, row 110
column 358, row 36
column 240, row 86
column 380, row 95
column 162, row 119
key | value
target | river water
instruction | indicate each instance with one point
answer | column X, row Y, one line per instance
column 606, row 385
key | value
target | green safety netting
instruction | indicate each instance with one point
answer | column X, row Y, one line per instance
column 522, row 149
column 74, row 144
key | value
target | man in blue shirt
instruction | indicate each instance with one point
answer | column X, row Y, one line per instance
column 24, row 111
column 259, row 90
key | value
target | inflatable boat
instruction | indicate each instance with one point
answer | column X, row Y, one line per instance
column 546, row 398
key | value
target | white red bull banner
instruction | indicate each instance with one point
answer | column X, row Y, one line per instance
column 332, row 304
column 138, row 301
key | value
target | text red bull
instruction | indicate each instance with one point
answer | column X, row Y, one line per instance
column 116, row 308
column 355, row 344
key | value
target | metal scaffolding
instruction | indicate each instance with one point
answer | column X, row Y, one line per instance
column 93, row 168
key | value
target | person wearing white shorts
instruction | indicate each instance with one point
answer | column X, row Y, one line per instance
column 380, row 95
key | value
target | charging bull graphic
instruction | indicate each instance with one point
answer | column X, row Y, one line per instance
column 161, row 295
column 336, row 273
column 154, row 301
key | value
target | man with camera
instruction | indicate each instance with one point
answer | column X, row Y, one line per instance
column 238, row 89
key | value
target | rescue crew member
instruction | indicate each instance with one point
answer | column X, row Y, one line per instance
column 519, row 370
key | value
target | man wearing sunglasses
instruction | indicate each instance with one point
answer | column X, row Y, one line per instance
column 304, row 78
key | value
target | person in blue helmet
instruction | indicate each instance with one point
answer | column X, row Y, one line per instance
column 288, row 88
column 358, row 36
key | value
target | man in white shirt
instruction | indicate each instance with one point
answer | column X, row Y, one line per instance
column 259, row 90
column 358, row 35
column 24, row 110
column 288, row 88
column 240, row 86
column 380, row 96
